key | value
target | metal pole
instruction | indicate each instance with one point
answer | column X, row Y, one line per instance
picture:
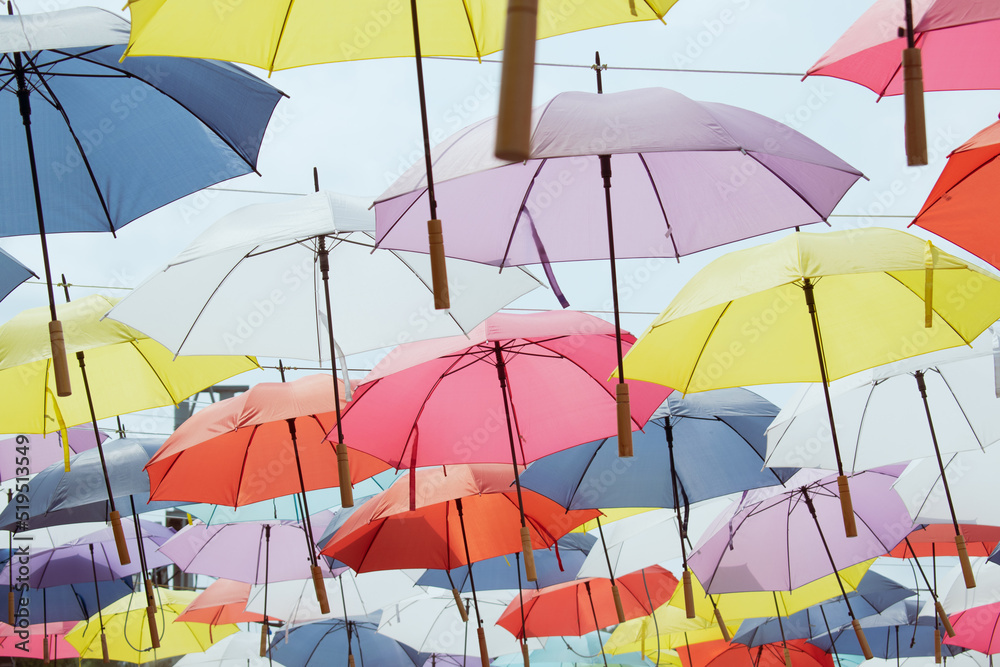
column 317, row 574
column 483, row 652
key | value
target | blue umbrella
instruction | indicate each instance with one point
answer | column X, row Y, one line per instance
column 329, row 643
column 693, row 448
column 553, row 566
column 12, row 274
column 91, row 143
column 874, row 594
column 897, row 632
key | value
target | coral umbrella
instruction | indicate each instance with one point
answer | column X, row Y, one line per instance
column 960, row 204
column 587, row 605
column 222, row 603
column 385, row 534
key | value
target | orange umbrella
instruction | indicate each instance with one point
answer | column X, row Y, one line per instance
column 963, row 203
column 722, row 654
column 938, row 539
column 222, row 603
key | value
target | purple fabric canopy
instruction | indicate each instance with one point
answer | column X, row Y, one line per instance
column 686, row 176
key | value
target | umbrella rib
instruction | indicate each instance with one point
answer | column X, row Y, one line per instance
column 204, row 306
column 919, row 296
column 961, row 409
column 472, row 29
column 659, row 201
column 947, row 192
column 281, row 34
column 788, row 185
column 134, row 343
column 521, row 209
column 861, row 427
column 429, row 288
column 586, row 468
column 704, row 345
column 752, row 448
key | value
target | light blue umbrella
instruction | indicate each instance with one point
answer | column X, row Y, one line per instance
column 585, row 650
column 12, row 274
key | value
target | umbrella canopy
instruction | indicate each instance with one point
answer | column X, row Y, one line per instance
column 125, row 622
column 721, row 654
column 938, row 539
column 873, row 595
column 976, row 629
column 12, row 274
column 323, row 32
column 959, row 203
column 72, row 561
column 385, row 534
column 45, row 449
column 672, row 182
column 331, row 642
column 566, row 651
column 252, row 285
column 71, row 602
column 585, row 605
column 243, row 450
column 33, row 646
column 970, row 477
column 956, row 597
column 555, row 565
column 59, row 496
column 236, row 650
column 126, row 370
column 780, row 539
column 715, row 447
column 950, row 33
column 223, row 602
column 252, row 552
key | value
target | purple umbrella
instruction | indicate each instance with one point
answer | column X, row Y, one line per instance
column 45, row 449
column 781, row 538
column 689, row 176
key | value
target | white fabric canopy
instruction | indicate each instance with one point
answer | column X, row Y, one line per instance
column 972, row 477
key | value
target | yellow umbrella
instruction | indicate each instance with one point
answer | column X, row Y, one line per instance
column 120, row 369
column 611, row 515
column 852, row 299
column 124, row 622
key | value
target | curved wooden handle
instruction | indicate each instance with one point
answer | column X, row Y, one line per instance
column 116, row 528
column 529, row 554
column 619, row 609
column 944, row 619
column 862, row 640
column 913, row 100
column 524, row 654
column 937, row 646
column 317, row 577
column 344, row 472
column 154, row 633
column 847, row 507
column 105, row 658
column 439, row 269
column 461, row 607
column 688, row 594
column 60, row 367
column 963, row 557
column 484, row 654
column 263, row 640
column 722, row 625
column 624, row 420
column 517, row 79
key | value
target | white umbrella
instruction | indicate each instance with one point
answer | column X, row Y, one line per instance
column 432, row 624
column 361, row 594
column 956, row 597
column 251, row 282
column 239, row 650
column 971, row 479
column 648, row 539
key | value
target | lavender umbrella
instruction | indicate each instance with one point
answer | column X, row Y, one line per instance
column 691, row 176
column 778, row 539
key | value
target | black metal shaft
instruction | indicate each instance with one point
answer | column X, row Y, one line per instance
column 97, row 434
column 424, row 126
column 306, row 523
column 673, row 486
column 607, row 556
column 324, row 268
column 922, row 387
column 468, row 560
column 833, row 645
column 606, row 175
column 267, row 569
column 911, row 40
column 502, row 375
column 597, row 69
column 520, row 593
column 826, row 547
column 814, row 317
column 139, row 546
column 781, row 625
column 597, row 624
column 97, row 590
column 916, row 561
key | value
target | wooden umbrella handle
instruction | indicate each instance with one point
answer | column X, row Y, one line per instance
column 913, row 99
column 529, row 554
column 624, row 420
column 722, row 625
column 963, row 557
column 619, row 609
column 439, row 268
column 317, row 577
column 263, row 639
column 688, row 594
column 788, row 655
column 45, row 649
column 60, row 367
column 105, row 657
column 154, row 633
column 944, row 618
column 937, row 646
column 524, row 653
column 344, row 471
column 484, row 654
column 517, row 79
column 116, row 528
column 847, row 507
column 862, row 640
column 461, row 607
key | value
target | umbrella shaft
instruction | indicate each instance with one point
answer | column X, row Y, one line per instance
column 922, row 387
column 826, row 547
column 428, row 166
column 814, row 317
column 93, row 419
column 606, row 175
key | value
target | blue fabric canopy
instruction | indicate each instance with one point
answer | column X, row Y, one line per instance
column 12, row 274
column 719, row 447
column 72, row 602
column 114, row 141
column 324, row 644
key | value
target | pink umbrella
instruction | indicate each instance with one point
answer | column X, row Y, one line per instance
column 977, row 628
column 44, row 641
column 518, row 388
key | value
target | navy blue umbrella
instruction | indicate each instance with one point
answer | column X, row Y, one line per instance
column 71, row 602
column 553, row 566
column 12, row 274
column 330, row 643
column 874, row 594
column 91, row 143
column 693, row 448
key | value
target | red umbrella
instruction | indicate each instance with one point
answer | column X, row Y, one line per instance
column 963, row 203
column 223, row 602
column 384, row 534
column 722, row 654
column 267, row 442
column 585, row 605
column 518, row 388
